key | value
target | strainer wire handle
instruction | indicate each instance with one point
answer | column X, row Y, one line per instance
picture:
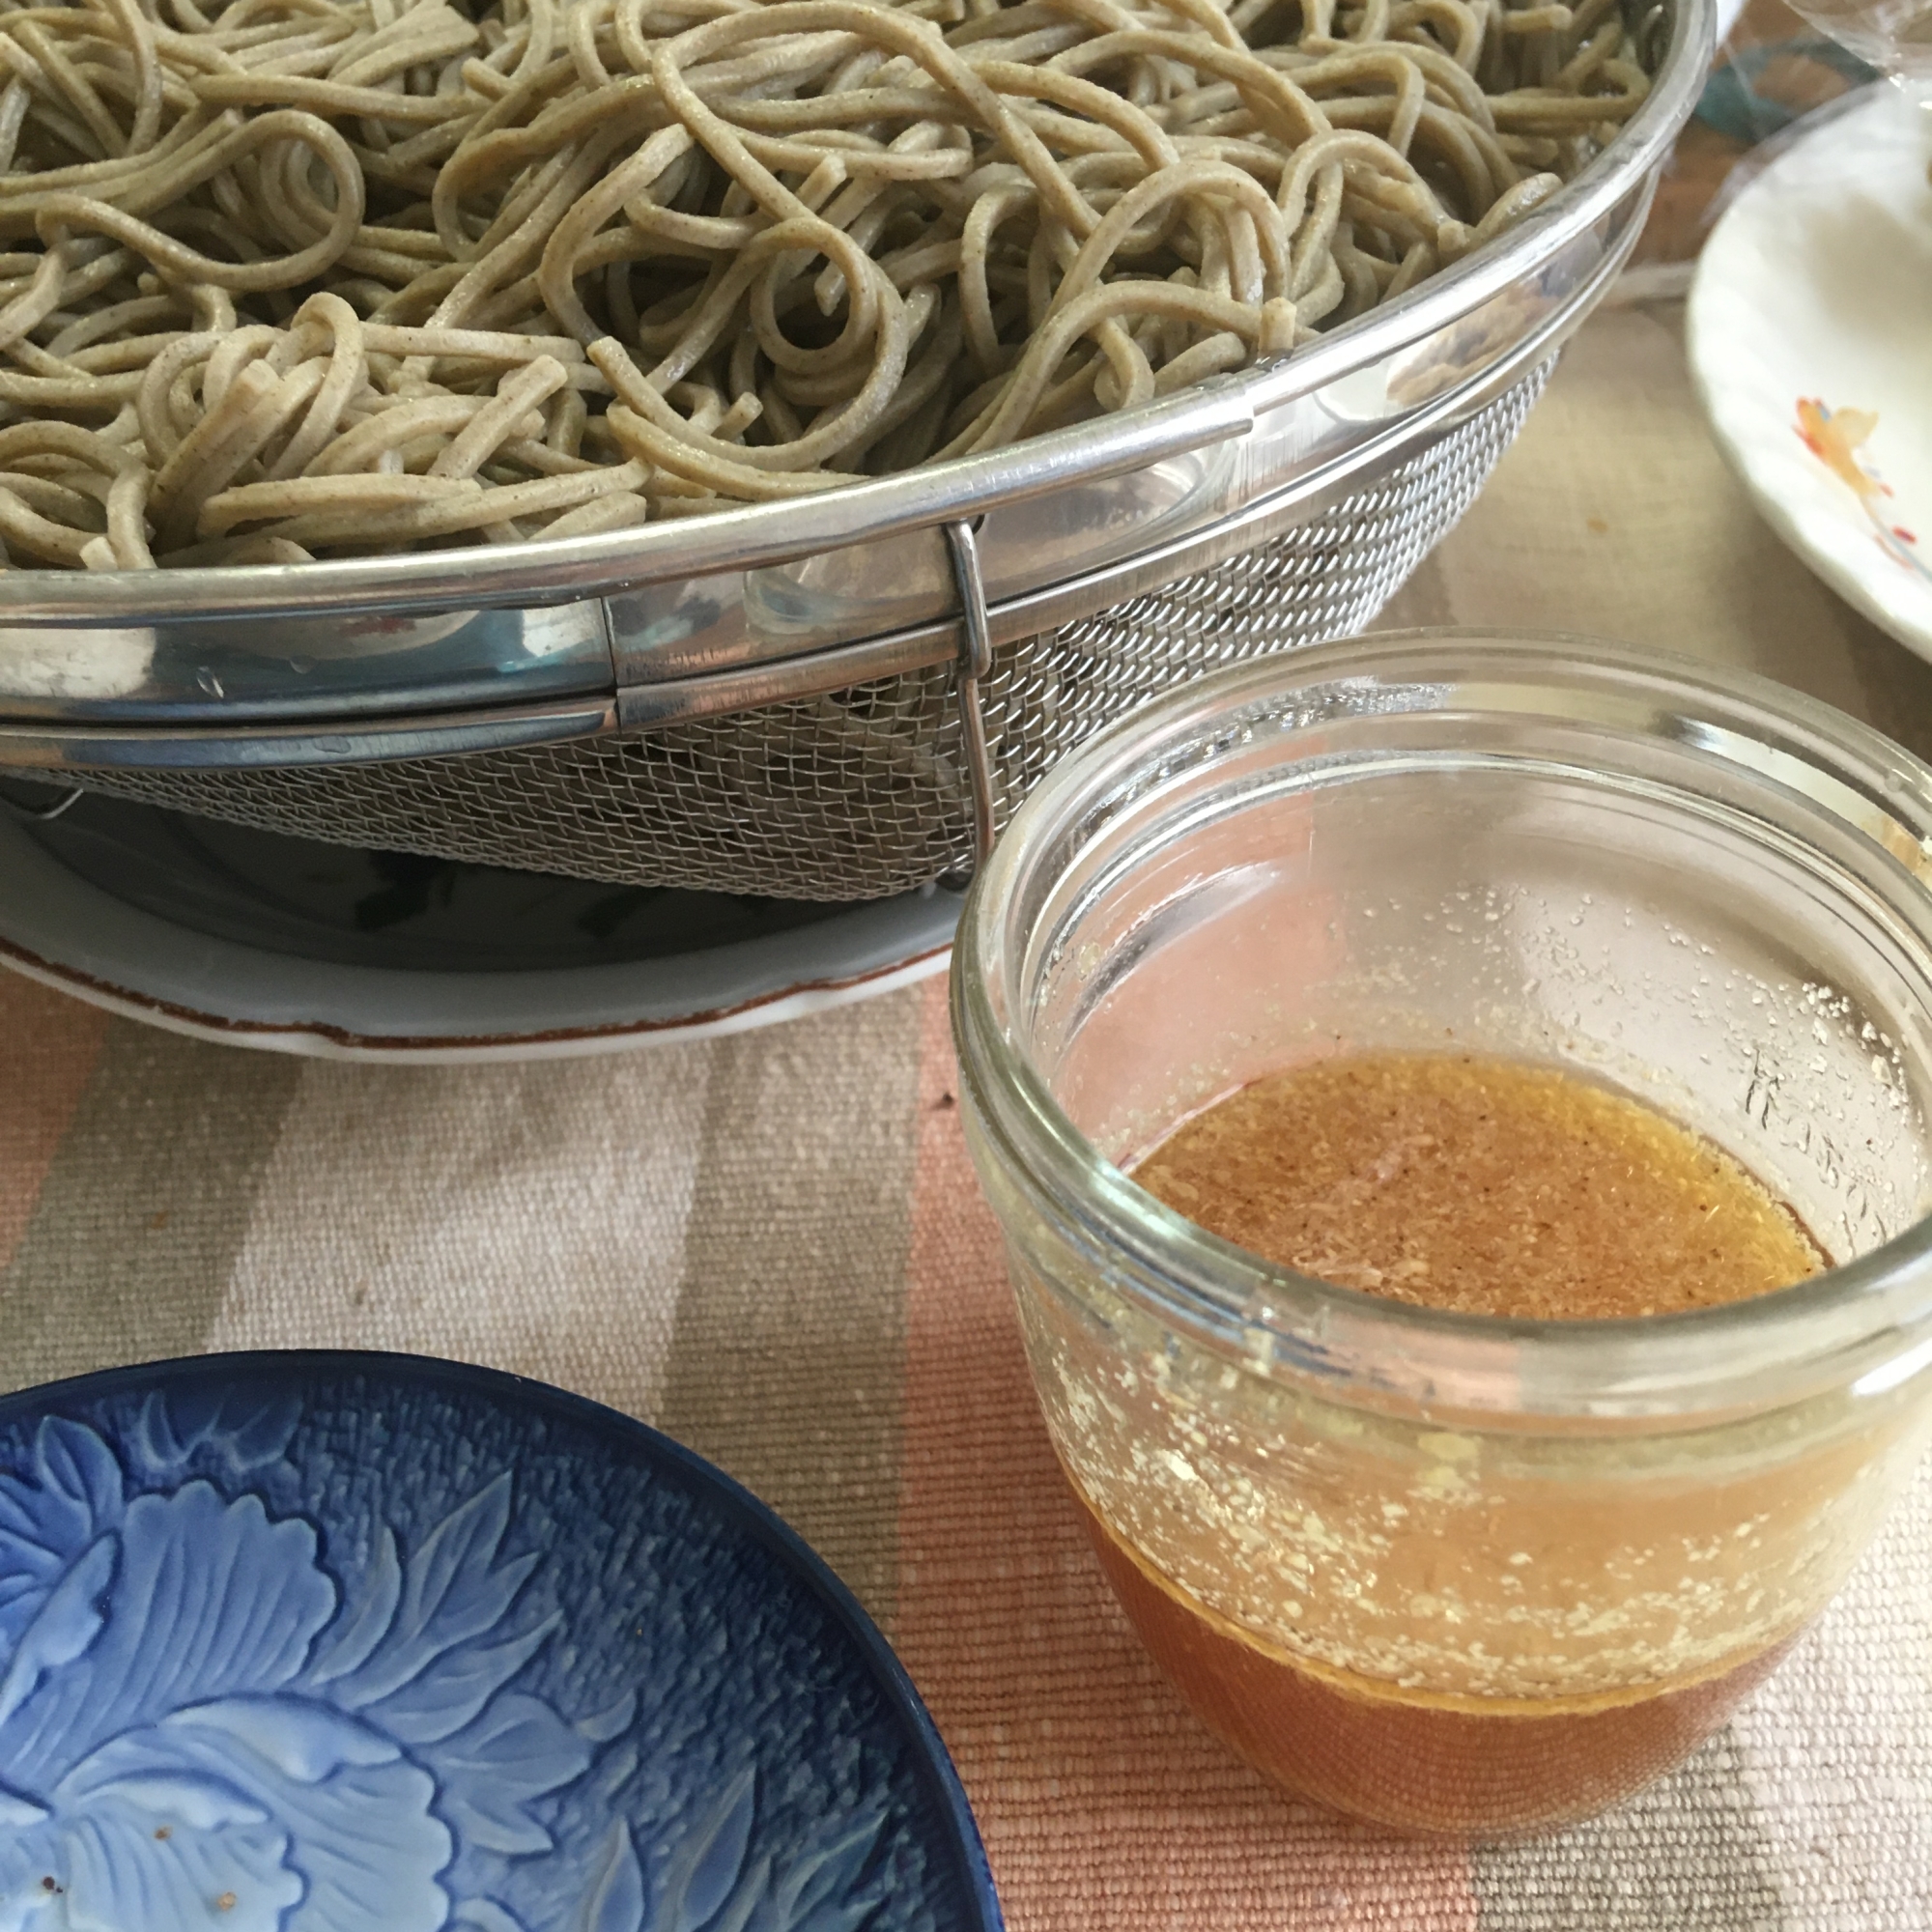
column 975, row 661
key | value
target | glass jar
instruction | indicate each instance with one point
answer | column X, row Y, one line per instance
column 1443, row 1572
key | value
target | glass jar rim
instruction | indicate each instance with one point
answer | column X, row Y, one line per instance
column 1865, row 1325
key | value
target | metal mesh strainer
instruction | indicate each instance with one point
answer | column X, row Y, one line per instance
column 864, row 792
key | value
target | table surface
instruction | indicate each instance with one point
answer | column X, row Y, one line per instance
column 771, row 1246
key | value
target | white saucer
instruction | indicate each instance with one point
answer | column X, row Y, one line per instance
column 1810, row 334
column 256, row 941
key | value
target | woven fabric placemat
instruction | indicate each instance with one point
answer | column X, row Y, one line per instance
column 771, row 1246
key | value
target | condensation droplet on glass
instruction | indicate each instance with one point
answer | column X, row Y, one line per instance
column 209, row 682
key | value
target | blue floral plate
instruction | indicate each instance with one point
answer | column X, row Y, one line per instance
column 368, row 1643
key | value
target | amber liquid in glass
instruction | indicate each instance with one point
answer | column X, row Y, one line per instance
column 1457, row 1182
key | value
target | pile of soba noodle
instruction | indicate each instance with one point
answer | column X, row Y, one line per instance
column 302, row 278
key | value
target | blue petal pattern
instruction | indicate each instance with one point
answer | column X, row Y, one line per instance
column 616, row 1900
column 218, row 1706
column 708, row 1865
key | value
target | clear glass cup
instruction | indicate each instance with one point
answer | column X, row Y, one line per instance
column 1892, row 36
column 1450, row 1572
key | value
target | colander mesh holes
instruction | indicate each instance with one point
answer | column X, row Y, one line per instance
column 861, row 793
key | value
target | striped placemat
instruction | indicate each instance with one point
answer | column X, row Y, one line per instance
column 771, row 1246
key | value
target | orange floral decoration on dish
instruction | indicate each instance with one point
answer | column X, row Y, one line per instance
column 1835, row 436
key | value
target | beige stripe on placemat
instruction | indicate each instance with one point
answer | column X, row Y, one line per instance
column 1837, row 1747
column 1689, row 1855
column 128, row 1252
column 532, row 1217
column 786, row 1364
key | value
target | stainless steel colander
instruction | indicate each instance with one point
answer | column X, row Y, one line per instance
column 834, row 697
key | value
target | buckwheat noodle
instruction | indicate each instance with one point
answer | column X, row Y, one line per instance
column 285, row 279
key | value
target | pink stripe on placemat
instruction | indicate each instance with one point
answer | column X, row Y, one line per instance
column 1103, row 1801
column 48, row 1047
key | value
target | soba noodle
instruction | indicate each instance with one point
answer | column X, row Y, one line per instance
column 299, row 278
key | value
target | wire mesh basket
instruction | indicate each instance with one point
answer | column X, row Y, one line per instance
column 865, row 792
column 834, row 696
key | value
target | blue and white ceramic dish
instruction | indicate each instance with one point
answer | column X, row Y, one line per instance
column 254, row 939
column 368, row 1644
